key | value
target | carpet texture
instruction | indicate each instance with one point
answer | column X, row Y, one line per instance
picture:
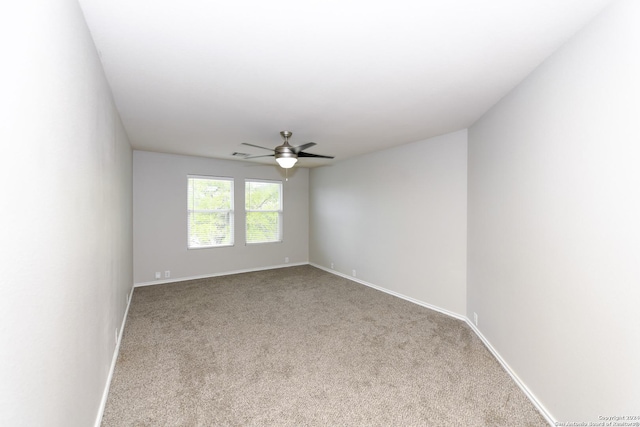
column 301, row 347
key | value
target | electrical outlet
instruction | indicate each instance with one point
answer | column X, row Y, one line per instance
column 353, row 273
column 286, row 259
column 332, row 266
column 167, row 274
column 475, row 318
column 158, row 275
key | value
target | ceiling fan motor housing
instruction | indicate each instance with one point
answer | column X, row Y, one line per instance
column 285, row 150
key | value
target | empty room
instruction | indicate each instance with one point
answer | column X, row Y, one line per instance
column 320, row 213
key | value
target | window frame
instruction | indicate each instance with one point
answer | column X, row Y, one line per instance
column 280, row 212
column 230, row 211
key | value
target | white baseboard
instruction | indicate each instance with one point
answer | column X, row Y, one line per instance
column 543, row 411
column 225, row 273
column 395, row 294
column 116, row 352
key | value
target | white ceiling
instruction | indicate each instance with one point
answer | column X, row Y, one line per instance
column 199, row 77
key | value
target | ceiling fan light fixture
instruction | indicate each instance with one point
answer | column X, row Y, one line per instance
column 286, row 162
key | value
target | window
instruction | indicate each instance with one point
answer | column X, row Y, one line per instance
column 210, row 212
column 263, row 205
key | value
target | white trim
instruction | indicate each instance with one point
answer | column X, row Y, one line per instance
column 280, row 211
column 225, row 273
column 543, row 411
column 268, row 181
column 230, row 211
column 116, row 352
column 211, row 177
column 395, row 294
column 532, row 397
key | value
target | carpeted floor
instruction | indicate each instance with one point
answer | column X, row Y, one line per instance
column 302, row 347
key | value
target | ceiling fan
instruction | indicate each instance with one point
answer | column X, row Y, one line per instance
column 287, row 155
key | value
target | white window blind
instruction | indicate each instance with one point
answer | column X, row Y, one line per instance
column 210, row 212
column 263, row 206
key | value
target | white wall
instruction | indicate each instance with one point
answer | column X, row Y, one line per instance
column 66, row 218
column 160, row 218
column 554, row 234
column 398, row 217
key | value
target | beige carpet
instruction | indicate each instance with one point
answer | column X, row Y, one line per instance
column 302, row 347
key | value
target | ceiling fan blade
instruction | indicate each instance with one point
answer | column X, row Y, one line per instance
column 257, row 146
column 299, row 148
column 314, row 155
column 255, row 157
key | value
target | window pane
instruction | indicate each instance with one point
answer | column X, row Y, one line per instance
column 209, row 194
column 262, row 195
column 263, row 227
column 210, row 229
